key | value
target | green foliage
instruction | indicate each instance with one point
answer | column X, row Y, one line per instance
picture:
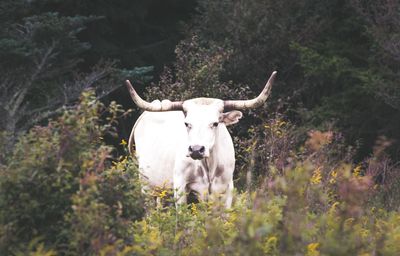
column 299, row 191
column 35, row 248
column 61, row 194
column 310, row 201
column 337, row 61
column 197, row 73
column 336, row 85
column 38, row 33
column 59, row 185
column 295, row 212
column 42, row 58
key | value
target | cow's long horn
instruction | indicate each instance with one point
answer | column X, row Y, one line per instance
column 154, row 106
column 253, row 103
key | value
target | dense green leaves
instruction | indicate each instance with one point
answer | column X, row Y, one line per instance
column 301, row 189
column 337, row 60
column 62, row 192
column 59, row 185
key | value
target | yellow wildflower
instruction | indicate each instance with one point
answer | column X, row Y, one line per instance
column 332, row 180
column 316, row 177
column 333, row 207
column 364, row 233
column 194, row 209
column 312, row 249
column 356, row 171
column 272, row 240
column 281, row 123
column 123, row 142
column 162, row 194
column 270, row 245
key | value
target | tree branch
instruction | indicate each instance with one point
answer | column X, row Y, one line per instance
column 19, row 96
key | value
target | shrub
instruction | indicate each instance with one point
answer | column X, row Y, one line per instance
column 59, row 184
column 294, row 213
column 316, row 204
column 62, row 192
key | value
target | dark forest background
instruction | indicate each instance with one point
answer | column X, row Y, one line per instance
column 65, row 176
column 338, row 61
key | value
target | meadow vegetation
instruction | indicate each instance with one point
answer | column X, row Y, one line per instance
column 65, row 192
column 317, row 167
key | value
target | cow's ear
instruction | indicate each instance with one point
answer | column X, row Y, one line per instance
column 231, row 117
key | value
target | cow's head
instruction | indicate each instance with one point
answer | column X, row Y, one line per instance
column 204, row 116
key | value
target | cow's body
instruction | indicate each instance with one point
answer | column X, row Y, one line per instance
column 162, row 140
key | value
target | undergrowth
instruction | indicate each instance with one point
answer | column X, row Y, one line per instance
column 62, row 192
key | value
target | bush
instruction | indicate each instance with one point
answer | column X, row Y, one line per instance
column 59, row 185
column 295, row 214
column 311, row 207
column 63, row 193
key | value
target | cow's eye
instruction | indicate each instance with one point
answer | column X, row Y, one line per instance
column 188, row 125
column 215, row 124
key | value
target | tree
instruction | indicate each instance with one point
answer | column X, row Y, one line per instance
column 329, row 56
column 40, row 53
column 383, row 21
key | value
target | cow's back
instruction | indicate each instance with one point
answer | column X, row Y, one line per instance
column 157, row 137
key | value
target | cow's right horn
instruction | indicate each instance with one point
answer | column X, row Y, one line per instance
column 155, row 106
column 253, row 103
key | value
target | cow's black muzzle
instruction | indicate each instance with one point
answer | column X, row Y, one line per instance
column 197, row 152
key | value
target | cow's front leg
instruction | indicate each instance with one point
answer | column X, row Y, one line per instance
column 229, row 195
column 179, row 188
column 223, row 192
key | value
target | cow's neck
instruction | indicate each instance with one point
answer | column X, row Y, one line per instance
column 210, row 164
column 207, row 172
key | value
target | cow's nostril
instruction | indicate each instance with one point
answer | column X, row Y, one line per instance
column 197, row 149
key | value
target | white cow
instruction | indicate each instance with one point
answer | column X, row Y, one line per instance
column 186, row 145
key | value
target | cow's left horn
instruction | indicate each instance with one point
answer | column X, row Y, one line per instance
column 253, row 103
column 155, row 106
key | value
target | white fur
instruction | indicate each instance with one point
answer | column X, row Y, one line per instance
column 162, row 142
